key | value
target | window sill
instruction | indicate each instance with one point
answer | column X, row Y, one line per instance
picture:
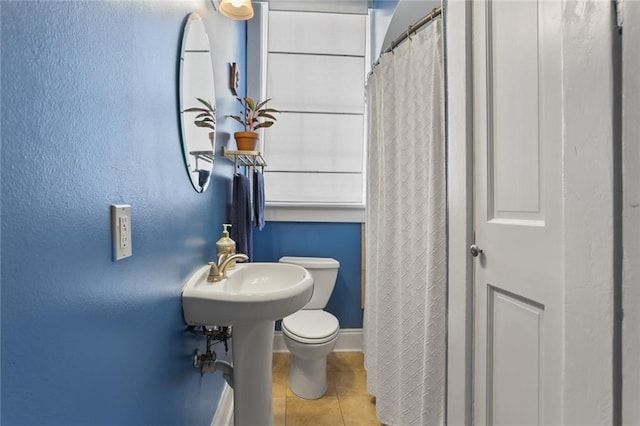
column 297, row 212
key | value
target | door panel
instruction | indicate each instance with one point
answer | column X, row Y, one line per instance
column 513, row 354
column 512, row 75
column 518, row 212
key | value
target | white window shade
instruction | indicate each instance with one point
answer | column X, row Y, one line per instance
column 315, row 143
column 316, row 76
column 316, row 83
column 319, row 33
column 331, row 6
column 312, row 188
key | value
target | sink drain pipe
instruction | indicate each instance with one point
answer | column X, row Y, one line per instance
column 223, row 366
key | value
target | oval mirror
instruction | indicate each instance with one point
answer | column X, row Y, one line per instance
column 197, row 103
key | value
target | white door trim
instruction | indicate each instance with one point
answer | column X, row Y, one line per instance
column 589, row 211
column 460, row 211
column 631, row 214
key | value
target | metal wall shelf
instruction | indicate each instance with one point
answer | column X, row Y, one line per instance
column 204, row 155
column 245, row 158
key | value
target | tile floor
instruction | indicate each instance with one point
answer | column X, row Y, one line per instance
column 345, row 403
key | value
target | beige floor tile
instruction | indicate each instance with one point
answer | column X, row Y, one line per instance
column 331, row 390
column 349, row 383
column 280, row 384
column 345, row 361
column 346, row 387
column 318, row 412
column 281, row 361
column 358, row 411
column 279, row 411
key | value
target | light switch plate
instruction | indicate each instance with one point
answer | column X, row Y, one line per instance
column 121, row 231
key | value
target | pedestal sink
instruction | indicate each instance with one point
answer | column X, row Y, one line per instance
column 250, row 299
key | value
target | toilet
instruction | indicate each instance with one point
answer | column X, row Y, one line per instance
column 311, row 333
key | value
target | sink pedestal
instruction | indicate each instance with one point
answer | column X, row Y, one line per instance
column 252, row 345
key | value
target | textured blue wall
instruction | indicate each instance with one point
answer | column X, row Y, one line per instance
column 380, row 18
column 340, row 241
column 89, row 118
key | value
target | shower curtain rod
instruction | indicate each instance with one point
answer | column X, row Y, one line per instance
column 411, row 29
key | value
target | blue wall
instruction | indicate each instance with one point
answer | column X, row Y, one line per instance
column 383, row 11
column 340, row 241
column 90, row 118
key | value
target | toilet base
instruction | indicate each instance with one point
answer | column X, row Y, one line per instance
column 308, row 371
column 308, row 377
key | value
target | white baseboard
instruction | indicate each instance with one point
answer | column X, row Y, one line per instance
column 224, row 412
column 349, row 340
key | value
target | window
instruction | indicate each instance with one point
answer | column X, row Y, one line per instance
column 316, row 64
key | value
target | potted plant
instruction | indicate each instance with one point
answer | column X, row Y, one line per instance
column 206, row 118
column 254, row 116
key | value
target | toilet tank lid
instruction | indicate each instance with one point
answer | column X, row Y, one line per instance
column 311, row 262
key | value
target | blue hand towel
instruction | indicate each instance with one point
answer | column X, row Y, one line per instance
column 241, row 231
column 203, row 178
column 258, row 198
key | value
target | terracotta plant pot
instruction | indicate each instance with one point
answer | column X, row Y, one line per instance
column 246, row 141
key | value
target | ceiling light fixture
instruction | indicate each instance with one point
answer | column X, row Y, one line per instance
column 237, row 9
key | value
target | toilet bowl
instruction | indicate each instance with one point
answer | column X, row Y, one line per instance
column 311, row 333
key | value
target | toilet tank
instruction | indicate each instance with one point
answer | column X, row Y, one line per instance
column 324, row 271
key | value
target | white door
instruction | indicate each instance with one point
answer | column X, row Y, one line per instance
column 518, row 212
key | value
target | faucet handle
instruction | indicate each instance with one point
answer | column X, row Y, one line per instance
column 214, row 272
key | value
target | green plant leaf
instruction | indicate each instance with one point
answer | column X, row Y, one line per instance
column 207, row 104
column 263, row 103
column 237, row 118
column 250, row 103
column 196, row 110
column 265, row 124
column 269, row 116
column 270, row 110
column 205, row 124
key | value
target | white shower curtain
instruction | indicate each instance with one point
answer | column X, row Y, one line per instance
column 405, row 305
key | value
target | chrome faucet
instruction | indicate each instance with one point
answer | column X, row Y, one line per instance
column 218, row 271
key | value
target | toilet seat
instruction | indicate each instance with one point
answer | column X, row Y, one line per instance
column 313, row 326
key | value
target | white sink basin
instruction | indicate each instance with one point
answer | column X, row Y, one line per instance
column 251, row 292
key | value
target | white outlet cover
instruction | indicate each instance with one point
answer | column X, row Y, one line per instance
column 121, row 231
